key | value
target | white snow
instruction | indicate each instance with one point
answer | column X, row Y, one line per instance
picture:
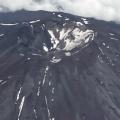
column 79, row 23
column 38, row 93
column 83, row 19
column 67, row 53
column 66, row 18
column 1, row 35
column 29, row 58
column 57, row 29
column 47, row 68
column 101, row 51
column 75, row 52
column 32, row 29
column 9, row 77
column 88, row 38
column 39, row 82
column 1, row 80
column 59, row 15
column 34, row 21
column 53, row 13
column 86, row 22
column 8, row 24
column 113, row 38
column 22, row 55
column 45, row 48
column 49, row 83
column 53, row 90
column 64, row 33
column 35, row 113
column 36, row 54
column 111, row 34
column 54, row 40
column 103, row 43
column 55, row 60
column 108, row 47
column 52, row 100
column 47, row 107
column 64, row 24
column 42, row 27
column 44, row 79
column 21, row 106
column 18, row 94
column 80, row 37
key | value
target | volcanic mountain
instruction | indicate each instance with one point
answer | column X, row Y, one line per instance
column 58, row 66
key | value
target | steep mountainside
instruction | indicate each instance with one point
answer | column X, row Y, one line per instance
column 57, row 66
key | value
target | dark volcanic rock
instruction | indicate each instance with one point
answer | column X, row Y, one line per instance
column 56, row 66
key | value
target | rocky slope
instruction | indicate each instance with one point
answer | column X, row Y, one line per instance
column 57, row 66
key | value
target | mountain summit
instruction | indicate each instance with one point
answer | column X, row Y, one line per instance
column 58, row 66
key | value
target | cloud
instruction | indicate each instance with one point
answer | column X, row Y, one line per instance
column 99, row 9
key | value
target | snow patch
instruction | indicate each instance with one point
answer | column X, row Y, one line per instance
column 28, row 58
column 18, row 94
column 8, row 24
column 21, row 106
column 54, row 40
column 67, row 53
column 79, row 23
column 67, row 19
column 36, row 54
column 103, row 43
column 38, row 93
column 64, row 33
column 1, row 35
column 35, row 113
column 80, row 37
column 86, row 22
column 47, row 107
column 52, row 100
column 22, row 55
column 1, row 80
column 45, row 48
column 113, row 38
column 53, row 90
column 49, row 83
column 34, row 21
column 55, row 60
column 64, row 24
column 59, row 15
column 57, row 29
column 111, row 34
column 47, row 68
column 83, row 19
column 101, row 51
